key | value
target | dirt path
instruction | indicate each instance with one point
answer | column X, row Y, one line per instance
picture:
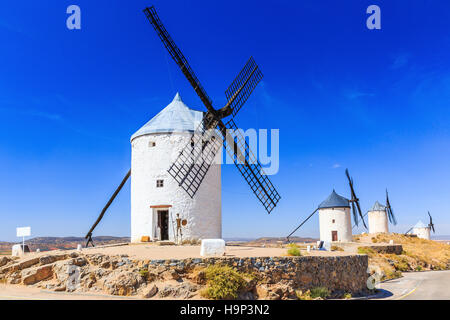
column 11, row 292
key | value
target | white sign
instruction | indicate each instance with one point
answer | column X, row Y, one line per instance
column 24, row 232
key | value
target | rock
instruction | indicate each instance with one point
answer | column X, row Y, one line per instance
column 14, row 278
column 4, row 261
column 170, row 275
column 150, row 292
column 19, row 265
column 60, row 288
column 185, row 290
column 51, row 258
column 199, row 277
column 262, row 291
column 123, row 283
column 246, row 296
column 35, row 275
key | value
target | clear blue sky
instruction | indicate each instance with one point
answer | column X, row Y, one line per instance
column 342, row 96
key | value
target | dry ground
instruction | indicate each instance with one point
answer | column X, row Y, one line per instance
column 418, row 254
column 156, row 252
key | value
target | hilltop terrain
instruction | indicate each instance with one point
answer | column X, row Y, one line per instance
column 417, row 255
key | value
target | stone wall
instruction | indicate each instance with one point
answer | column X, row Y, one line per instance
column 386, row 248
column 274, row 277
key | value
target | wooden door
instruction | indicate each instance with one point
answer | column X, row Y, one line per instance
column 163, row 224
column 334, row 236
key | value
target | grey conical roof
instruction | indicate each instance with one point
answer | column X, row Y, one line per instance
column 378, row 207
column 420, row 224
column 176, row 117
column 334, row 201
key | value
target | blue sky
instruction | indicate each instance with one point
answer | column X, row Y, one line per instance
column 375, row 101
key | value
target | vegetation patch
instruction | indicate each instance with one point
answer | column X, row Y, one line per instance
column 418, row 254
column 347, row 296
column 366, row 250
column 143, row 273
column 224, row 282
column 303, row 295
column 320, row 292
column 336, row 248
column 293, row 250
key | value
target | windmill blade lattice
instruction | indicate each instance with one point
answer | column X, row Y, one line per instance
column 250, row 168
column 431, row 224
column 244, row 84
column 354, row 200
column 177, row 56
column 195, row 159
column 191, row 165
column 389, row 211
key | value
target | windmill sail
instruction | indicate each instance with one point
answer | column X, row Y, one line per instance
column 355, row 201
column 250, row 168
column 431, row 224
column 177, row 56
column 242, row 87
column 192, row 164
column 195, row 159
column 389, row 211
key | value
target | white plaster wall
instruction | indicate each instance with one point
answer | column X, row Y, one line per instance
column 378, row 222
column 342, row 224
column 148, row 164
column 423, row 233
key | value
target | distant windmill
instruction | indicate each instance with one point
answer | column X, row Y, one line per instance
column 195, row 159
column 334, row 215
column 421, row 230
column 379, row 215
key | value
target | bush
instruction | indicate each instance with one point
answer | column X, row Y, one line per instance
column 366, row 250
column 143, row 273
column 320, row 292
column 223, row 282
column 303, row 295
column 293, row 250
column 374, row 240
column 336, row 248
column 419, row 268
column 389, row 274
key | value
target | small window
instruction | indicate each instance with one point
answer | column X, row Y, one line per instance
column 333, row 221
column 159, row 183
column 151, row 144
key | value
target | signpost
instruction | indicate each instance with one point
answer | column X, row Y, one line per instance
column 23, row 232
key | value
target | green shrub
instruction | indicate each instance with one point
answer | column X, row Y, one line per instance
column 303, row 295
column 419, row 268
column 223, row 282
column 366, row 250
column 320, row 292
column 293, row 250
column 143, row 273
column 389, row 274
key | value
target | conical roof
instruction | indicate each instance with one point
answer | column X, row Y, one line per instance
column 420, row 224
column 334, row 201
column 176, row 117
column 378, row 207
